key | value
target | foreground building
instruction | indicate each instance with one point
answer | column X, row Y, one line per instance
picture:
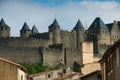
column 96, row 75
column 61, row 74
column 11, row 71
column 110, row 63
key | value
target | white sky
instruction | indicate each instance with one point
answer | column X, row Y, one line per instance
column 16, row 12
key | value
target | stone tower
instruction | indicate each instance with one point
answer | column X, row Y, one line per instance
column 25, row 31
column 54, row 29
column 99, row 34
column 114, row 29
column 4, row 29
column 80, row 33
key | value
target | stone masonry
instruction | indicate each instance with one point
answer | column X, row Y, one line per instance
column 56, row 46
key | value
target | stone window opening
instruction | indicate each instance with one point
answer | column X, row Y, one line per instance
column 21, row 77
column 49, row 75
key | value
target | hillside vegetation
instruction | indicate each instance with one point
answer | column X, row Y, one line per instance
column 37, row 68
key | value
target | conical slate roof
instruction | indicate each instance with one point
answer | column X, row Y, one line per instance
column 34, row 29
column 78, row 25
column 3, row 24
column 98, row 23
column 25, row 27
column 54, row 24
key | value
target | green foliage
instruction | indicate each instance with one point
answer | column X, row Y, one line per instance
column 36, row 68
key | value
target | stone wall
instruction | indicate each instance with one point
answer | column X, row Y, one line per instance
column 102, row 49
column 68, row 38
column 23, row 42
column 52, row 57
column 21, row 55
column 72, row 55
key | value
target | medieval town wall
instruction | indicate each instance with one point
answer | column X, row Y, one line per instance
column 68, row 38
column 52, row 57
column 72, row 55
column 23, row 42
column 21, row 55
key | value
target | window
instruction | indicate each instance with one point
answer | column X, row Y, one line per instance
column 49, row 76
column 21, row 77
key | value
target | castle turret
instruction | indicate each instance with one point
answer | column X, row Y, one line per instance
column 4, row 29
column 34, row 30
column 80, row 33
column 99, row 33
column 25, row 31
column 54, row 29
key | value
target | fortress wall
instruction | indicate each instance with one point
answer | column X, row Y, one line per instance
column 102, row 49
column 52, row 57
column 44, row 36
column 68, row 38
column 71, row 56
column 21, row 55
column 115, row 32
column 104, row 37
column 22, row 42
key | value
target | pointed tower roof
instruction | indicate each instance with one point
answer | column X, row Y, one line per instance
column 98, row 23
column 25, row 27
column 78, row 25
column 54, row 24
column 34, row 29
column 3, row 24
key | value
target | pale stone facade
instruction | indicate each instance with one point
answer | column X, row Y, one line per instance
column 87, row 52
column 90, row 67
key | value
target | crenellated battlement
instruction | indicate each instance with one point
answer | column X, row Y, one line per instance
column 42, row 36
column 56, row 46
column 71, row 49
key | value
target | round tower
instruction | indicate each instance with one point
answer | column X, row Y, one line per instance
column 4, row 29
column 25, row 31
column 80, row 33
column 54, row 30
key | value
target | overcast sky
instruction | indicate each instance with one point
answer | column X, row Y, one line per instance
column 42, row 13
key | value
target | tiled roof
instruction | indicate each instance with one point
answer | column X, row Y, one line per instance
column 25, row 27
column 34, row 29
